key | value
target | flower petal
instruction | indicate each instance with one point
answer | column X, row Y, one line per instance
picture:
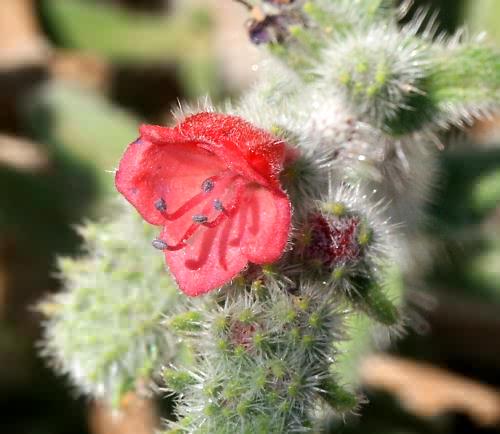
column 257, row 232
column 208, row 261
column 164, row 164
column 254, row 153
column 267, row 226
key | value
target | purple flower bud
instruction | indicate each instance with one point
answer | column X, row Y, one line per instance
column 259, row 32
column 273, row 28
column 333, row 240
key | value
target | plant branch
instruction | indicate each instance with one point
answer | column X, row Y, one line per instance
column 248, row 5
column 428, row 391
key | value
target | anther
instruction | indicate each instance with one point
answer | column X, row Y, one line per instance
column 218, row 205
column 161, row 205
column 200, row 218
column 207, row 185
column 159, row 244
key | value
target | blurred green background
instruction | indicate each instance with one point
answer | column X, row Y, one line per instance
column 76, row 79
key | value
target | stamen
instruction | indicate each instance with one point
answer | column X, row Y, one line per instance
column 178, row 246
column 226, row 212
column 200, row 218
column 188, row 205
column 207, row 185
column 159, row 244
column 161, row 205
column 181, row 244
column 215, row 222
column 218, row 205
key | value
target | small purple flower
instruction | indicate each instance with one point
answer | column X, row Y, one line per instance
column 272, row 28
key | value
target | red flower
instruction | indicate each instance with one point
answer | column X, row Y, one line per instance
column 212, row 183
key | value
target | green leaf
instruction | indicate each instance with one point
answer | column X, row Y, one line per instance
column 467, row 75
column 118, row 33
column 340, row 399
column 463, row 83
